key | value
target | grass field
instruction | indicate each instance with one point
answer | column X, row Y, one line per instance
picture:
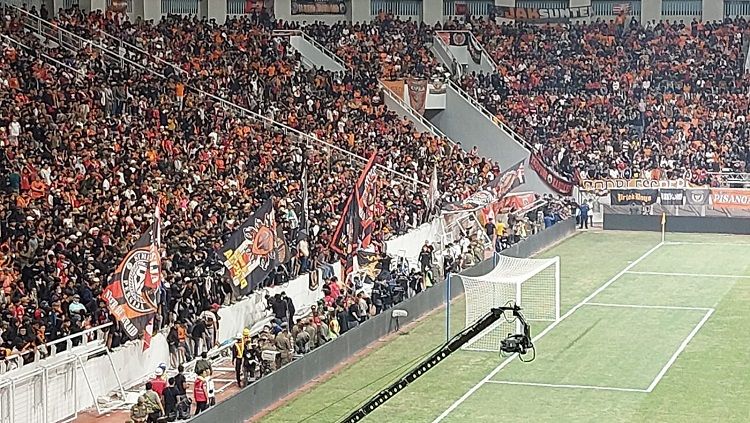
column 649, row 332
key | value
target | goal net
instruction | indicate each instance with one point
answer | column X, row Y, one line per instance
column 533, row 284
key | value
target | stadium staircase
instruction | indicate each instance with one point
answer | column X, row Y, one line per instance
column 464, row 119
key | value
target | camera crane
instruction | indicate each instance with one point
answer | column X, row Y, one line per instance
column 513, row 344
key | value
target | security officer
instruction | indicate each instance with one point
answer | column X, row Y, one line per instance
column 238, row 354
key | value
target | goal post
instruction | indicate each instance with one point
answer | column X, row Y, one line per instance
column 533, row 284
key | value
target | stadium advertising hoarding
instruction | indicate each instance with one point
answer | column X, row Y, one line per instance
column 318, row 7
column 730, row 197
column 543, row 15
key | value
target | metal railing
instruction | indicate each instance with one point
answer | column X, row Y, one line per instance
column 413, row 113
column 691, row 8
column 75, row 43
column 11, row 362
column 17, row 43
column 81, row 339
column 317, row 45
column 734, row 8
column 605, row 8
column 480, row 108
column 402, row 8
column 474, row 7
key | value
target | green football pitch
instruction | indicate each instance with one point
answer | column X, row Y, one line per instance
column 649, row 332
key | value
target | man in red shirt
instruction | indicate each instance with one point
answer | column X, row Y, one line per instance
column 158, row 383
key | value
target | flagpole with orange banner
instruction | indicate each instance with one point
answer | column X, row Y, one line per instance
column 663, row 225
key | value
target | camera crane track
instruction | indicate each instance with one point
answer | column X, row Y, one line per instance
column 513, row 344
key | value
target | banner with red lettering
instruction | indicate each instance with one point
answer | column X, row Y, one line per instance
column 554, row 180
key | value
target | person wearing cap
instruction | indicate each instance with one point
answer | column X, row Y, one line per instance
column 238, row 353
column 284, row 344
column 158, row 383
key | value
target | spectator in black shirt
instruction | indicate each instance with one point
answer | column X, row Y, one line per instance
column 170, row 400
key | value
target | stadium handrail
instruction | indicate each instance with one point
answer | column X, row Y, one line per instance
column 5, row 363
column 317, row 45
column 481, row 109
column 413, row 113
column 47, row 57
column 471, row 34
column 226, row 103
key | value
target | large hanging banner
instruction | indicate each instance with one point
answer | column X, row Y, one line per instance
column 318, row 7
column 542, row 15
column 396, row 87
column 671, row 196
column 254, row 249
column 417, row 94
column 557, row 182
column 494, row 191
column 132, row 293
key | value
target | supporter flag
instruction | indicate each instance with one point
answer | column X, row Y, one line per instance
column 354, row 230
column 132, row 293
column 475, row 50
column 621, row 9
column 433, row 194
column 148, row 333
column 254, row 249
column 493, row 191
column 371, row 265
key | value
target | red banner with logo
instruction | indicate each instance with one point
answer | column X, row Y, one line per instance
column 557, row 182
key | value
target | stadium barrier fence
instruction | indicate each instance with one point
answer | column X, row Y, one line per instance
column 260, row 395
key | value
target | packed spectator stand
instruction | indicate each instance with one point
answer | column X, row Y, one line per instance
column 622, row 99
column 92, row 146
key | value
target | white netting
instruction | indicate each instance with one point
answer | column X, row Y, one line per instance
column 534, row 284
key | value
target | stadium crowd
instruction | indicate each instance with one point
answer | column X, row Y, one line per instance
column 622, row 100
column 91, row 148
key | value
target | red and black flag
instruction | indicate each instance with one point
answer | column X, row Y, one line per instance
column 357, row 223
column 254, row 249
column 132, row 293
column 495, row 190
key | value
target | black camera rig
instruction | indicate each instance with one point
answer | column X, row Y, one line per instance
column 514, row 344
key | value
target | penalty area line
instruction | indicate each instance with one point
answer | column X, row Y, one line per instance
column 541, row 334
column 681, row 348
column 658, row 307
column 689, row 275
column 564, row 386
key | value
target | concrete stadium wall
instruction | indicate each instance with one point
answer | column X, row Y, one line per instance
column 255, row 398
column 688, row 224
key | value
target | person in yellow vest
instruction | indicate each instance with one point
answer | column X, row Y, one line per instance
column 238, row 352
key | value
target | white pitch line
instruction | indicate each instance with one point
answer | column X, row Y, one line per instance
column 691, row 275
column 554, row 385
column 546, row 330
column 728, row 244
column 682, row 347
column 649, row 306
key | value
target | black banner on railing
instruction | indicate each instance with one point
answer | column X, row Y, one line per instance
column 318, row 7
column 557, row 182
column 634, row 196
column 671, row 197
